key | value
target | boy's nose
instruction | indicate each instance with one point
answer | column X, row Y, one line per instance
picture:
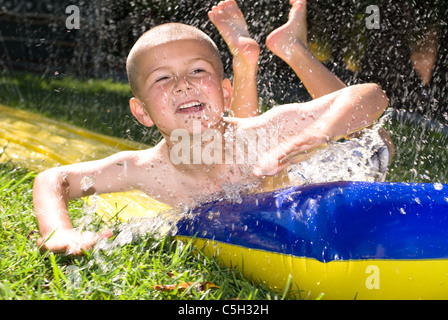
column 182, row 85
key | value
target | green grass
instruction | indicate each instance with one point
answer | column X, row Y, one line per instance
column 421, row 154
column 98, row 105
column 126, row 272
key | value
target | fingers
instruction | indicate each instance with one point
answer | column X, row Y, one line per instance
column 72, row 242
column 275, row 161
column 271, row 163
column 288, row 153
column 264, row 169
column 87, row 241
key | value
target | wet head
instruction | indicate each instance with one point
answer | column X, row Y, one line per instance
column 176, row 75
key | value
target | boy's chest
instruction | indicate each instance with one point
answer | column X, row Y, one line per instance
column 191, row 188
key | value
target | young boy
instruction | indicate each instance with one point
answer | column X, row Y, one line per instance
column 176, row 76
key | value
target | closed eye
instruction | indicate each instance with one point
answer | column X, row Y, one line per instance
column 162, row 78
column 198, row 70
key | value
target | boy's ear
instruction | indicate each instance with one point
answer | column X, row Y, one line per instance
column 140, row 112
column 227, row 93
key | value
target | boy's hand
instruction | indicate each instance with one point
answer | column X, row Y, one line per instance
column 71, row 241
column 289, row 152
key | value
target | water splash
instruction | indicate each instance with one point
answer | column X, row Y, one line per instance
column 157, row 227
column 74, row 277
column 87, row 182
column 358, row 159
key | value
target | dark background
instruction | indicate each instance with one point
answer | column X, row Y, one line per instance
column 34, row 38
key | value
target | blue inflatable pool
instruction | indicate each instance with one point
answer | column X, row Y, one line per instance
column 342, row 240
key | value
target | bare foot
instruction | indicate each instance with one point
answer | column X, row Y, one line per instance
column 284, row 40
column 230, row 22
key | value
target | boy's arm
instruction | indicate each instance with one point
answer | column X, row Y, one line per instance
column 54, row 188
column 305, row 127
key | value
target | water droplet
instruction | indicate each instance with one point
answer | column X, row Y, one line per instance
column 438, row 186
column 74, row 277
column 87, row 182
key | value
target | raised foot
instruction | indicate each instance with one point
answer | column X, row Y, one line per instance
column 293, row 34
column 230, row 22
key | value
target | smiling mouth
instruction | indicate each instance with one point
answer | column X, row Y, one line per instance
column 189, row 107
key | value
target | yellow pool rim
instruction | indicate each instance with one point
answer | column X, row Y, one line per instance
column 309, row 279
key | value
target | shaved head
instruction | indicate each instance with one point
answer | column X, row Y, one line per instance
column 163, row 34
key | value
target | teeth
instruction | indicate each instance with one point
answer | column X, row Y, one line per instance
column 190, row 105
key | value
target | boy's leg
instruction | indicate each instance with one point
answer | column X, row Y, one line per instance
column 289, row 42
column 230, row 22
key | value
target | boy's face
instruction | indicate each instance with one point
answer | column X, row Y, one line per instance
column 179, row 83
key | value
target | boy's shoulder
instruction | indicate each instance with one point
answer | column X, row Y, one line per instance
column 152, row 155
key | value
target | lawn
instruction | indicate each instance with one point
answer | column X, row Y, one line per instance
column 132, row 271
column 146, row 268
